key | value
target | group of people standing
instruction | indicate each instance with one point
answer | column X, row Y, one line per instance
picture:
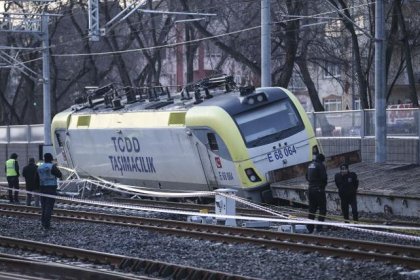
column 346, row 182
column 38, row 178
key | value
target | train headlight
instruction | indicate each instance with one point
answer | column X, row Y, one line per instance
column 252, row 176
column 251, row 101
column 254, row 98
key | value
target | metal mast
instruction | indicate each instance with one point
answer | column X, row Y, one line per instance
column 93, row 7
column 95, row 30
column 36, row 25
column 380, row 101
column 265, row 44
column 46, row 80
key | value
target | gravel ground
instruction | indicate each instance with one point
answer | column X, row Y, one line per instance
column 244, row 260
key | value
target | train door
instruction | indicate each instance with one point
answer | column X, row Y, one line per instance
column 216, row 159
column 221, row 161
column 62, row 148
column 203, row 151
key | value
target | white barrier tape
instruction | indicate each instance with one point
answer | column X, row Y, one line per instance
column 286, row 218
column 113, row 186
column 365, row 228
column 345, row 226
column 254, row 205
column 151, row 209
column 138, row 190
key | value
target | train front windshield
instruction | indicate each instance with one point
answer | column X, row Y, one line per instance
column 269, row 123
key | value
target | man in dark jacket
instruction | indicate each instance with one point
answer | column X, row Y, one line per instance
column 317, row 180
column 31, row 180
column 12, row 174
column 347, row 184
column 48, row 174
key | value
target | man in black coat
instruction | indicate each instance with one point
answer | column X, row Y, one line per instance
column 317, row 180
column 32, row 181
column 347, row 184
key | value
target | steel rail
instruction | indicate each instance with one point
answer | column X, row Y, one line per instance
column 239, row 210
column 132, row 264
column 15, row 267
column 405, row 255
column 246, row 211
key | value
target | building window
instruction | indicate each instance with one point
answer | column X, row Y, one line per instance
column 212, row 51
column 296, row 82
column 331, row 70
column 238, row 79
column 332, row 104
column 357, row 104
column 334, row 28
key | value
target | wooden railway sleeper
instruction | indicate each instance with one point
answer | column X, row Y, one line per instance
column 126, row 262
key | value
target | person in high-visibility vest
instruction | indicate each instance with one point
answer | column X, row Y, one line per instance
column 12, row 175
column 48, row 174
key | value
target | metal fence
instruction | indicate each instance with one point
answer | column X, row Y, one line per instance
column 402, row 122
column 22, row 134
column 361, row 123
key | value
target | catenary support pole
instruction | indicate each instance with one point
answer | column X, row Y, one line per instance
column 265, row 44
column 93, row 8
column 46, row 80
column 380, row 87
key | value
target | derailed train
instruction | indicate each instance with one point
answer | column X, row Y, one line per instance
column 231, row 138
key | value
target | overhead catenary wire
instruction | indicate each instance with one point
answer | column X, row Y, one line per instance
column 190, row 41
column 194, row 40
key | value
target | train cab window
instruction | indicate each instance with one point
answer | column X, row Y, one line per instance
column 211, row 137
column 270, row 123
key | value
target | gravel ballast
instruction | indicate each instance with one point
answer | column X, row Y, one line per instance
column 247, row 260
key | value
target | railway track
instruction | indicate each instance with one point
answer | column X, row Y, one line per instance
column 17, row 267
column 404, row 255
column 288, row 211
column 86, row 266
column 250, row 212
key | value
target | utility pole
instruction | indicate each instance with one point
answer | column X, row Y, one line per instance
column 380, row 101
column 46, row 80
column 265, row 44
column 36, row 25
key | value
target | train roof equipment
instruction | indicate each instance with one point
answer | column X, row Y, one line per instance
column 218, row 90
column 110, row 97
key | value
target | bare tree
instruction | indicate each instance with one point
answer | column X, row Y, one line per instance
column 407, row 52
column 235, row 46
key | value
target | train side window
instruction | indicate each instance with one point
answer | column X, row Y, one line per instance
column 59, row 140
column 211, row 137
